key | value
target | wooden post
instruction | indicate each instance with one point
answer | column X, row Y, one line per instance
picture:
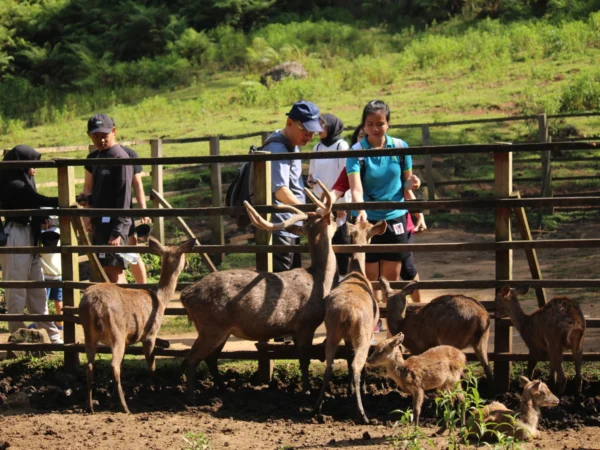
column 546, row 157
column 503, row 333
column 264, row 261
column 70, row 262
column 532, row 260
column 157, row 185
column 428, row 163
column 217, row 224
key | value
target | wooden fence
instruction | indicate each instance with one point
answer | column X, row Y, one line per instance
column 503, row 202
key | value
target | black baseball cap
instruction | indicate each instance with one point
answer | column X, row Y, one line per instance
column 100, row 123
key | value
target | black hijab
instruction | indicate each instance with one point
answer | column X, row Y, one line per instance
column 14, row 177
column 334, row 128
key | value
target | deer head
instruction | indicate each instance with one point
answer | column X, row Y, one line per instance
column 315, row 224
column 363, row 232
column 507, row 296
column 396, row 302
column 539, row 392
column 172, row 258
column 385, row 349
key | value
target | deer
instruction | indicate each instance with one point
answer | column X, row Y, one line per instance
column 451, row 319
column 351, row 314
column 260, row 306
column 439, row 367
column 557, row 325
column 117, row 316
column 522, row 424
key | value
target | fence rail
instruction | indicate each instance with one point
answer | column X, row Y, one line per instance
column 502, row 204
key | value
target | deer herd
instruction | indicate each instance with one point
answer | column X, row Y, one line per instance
column 260, row 306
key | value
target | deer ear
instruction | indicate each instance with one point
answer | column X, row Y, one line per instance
column 377, row 229
column 187, row 246
column 410, row 288
column 351, row 227
column 155, row 245
column 398, row 339
column 505, row 290
column 524, row 381
column 521, row 290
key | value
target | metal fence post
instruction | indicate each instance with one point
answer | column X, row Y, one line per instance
column 157, row 185
column 264, row 261
column 217, row 223
column 503, row 333
column 70, row 262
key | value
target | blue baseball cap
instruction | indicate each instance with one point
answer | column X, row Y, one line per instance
column 308, row 114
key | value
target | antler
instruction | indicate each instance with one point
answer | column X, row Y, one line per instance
column 323, row 208
column 260, row 222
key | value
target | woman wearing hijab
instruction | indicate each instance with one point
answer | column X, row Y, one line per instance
column 20, row 192
column 327, row 170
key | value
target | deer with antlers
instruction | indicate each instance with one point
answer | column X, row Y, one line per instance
column 260, row 306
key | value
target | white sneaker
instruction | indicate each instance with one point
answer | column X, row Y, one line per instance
column 58, row 341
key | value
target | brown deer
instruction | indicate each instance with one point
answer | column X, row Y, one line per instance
column 454, row 320
column 557, row 325
column 522, row 424
column 261, row 306
column 439, row 367
column 117, row 316
column 351, row 314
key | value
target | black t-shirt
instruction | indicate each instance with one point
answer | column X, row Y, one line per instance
column 112, row 189
column 130, row 152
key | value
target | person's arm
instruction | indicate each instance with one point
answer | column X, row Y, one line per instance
column 341, row 185
column 356, row 187
column 88, row 184
column 410, row 184
column 138, row 189
column 285, row 196
column 123, row 180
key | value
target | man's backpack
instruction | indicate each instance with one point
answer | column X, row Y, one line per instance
column 242, row 187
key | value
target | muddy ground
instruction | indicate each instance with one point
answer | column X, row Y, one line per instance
column 278, row 415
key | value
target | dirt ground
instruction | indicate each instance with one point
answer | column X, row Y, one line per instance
column 278, row 415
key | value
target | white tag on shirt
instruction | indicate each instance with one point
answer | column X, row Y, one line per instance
column 106, row 220
column 398, row 228
column 101, row 255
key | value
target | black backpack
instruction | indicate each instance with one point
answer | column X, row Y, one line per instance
column 242, row 187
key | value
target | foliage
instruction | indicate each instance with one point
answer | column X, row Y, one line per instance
column 196, row 441
column 410, row 437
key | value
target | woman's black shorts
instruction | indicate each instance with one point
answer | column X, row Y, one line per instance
column 395, row 233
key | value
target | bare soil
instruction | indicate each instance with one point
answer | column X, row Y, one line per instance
column 278, row 415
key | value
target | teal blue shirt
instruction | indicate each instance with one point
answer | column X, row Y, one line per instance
column 383, row 177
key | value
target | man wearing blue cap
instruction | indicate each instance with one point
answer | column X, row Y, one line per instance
column 286, row 176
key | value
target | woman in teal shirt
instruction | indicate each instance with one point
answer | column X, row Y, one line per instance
column 385, row 178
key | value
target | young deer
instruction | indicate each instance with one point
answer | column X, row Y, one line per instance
column 351, row 314
column 453, row 320
column 440, row 367
column 555, row 326
column 262, row 306
column 117, row 317
column 499, row 418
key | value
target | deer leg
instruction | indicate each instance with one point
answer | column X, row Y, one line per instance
column 331, row 346
column 556, row 359
column 481, row 351
column 203, row 346
column 349, row 358
column 118, row 351
column 90, row 351
column 577, row 352
column 148, row 347
column 212, row 361
column 304, row 344
column 361, row 353
column 418, row 397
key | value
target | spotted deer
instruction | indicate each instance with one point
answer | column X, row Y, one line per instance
column 351, row 314
column 117, row 316
column 260, row 306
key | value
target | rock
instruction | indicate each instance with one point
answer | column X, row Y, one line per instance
column 29, row 336
column 284, row 70
column 18, row 400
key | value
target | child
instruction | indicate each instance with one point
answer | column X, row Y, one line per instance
column 327, row 171
column 52, row 268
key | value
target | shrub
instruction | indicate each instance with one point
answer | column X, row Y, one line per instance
column 582, row 94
